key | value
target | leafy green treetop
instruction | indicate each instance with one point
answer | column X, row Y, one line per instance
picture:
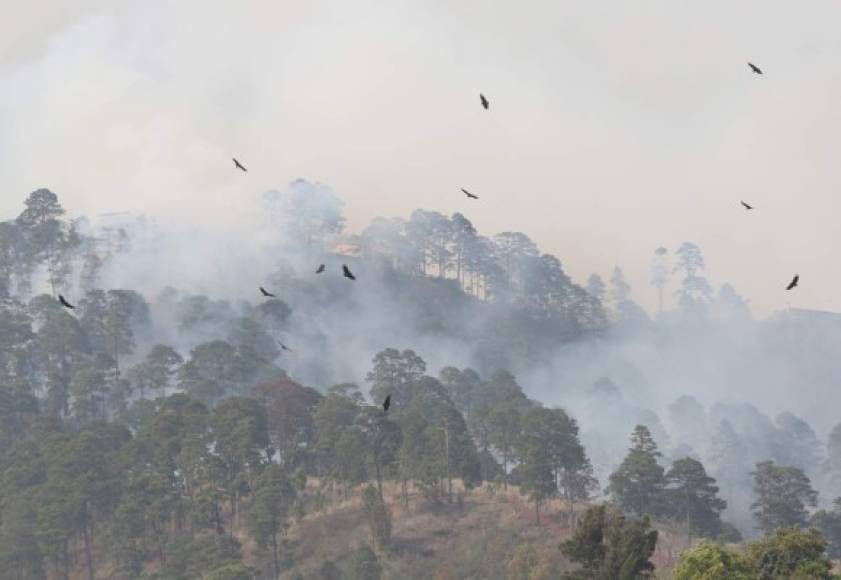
column 791, row 554
column 713, row 562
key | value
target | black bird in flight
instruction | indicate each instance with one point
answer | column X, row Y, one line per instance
column 387, row 403
column 239, row 165
column 747, row 205
column 65, row 303
column 793, row 282
column 755, row 68
column 266, row 293
column 346, row 271
column 468, row 194
column 320, row 269
column 484, row 101
column 284, row 347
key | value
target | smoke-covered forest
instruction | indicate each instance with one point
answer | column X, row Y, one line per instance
column 176, row 424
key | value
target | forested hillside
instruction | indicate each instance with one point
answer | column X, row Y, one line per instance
column 172, row 423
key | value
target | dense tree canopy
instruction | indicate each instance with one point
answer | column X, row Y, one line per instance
column 792, row 554
column 176, row 436
column 713, row 562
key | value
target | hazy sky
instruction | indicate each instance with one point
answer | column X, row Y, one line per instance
column 615, row 127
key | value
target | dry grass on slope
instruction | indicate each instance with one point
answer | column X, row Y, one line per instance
column 464, row 540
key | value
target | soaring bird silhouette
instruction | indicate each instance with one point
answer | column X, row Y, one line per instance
column 747, row 205
column 484, row 101
column 755, row 68
column 346, row 271
column 284, row 347
column 387, row 403
column 65, row 303
column 468, row 194
column 239, row 165
column 320, row 269
column 266, row 293
column 794, row 282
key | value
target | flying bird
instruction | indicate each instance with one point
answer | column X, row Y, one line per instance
column 239, row 165
column 484, row 101
column 320, row 269
column 755, row 68
column 65, row 303
column 747, row 205
column 793, row 282
column 284, row 347
column 346, row 271
column 468, row 194
column 387, row 403
column 266, row 293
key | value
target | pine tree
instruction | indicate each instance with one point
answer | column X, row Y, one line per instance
column 537, row 453
column 637, row 486
column 270, row 508
column 596, row 287
column 46, row 237
column 363, row 565
column 379, row 517
column 692, row 497
column 393, row 370
column 782, row 494
column 695, row 293
column 503, row 425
